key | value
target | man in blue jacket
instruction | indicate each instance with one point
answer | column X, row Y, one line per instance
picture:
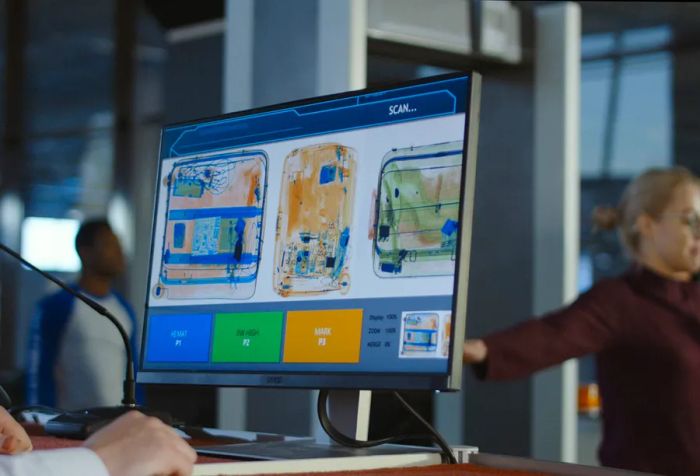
column 76, row 356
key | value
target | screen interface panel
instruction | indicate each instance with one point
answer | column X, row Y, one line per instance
column 314, row 237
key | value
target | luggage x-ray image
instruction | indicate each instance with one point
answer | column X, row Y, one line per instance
column 214, row 220
column 425, row 334
column 314, row 220
column 417, row 211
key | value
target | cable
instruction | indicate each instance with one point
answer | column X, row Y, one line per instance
column 339, row 437
column 434, row 434
column 345, row 440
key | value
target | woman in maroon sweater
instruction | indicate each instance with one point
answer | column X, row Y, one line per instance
column 643, row 326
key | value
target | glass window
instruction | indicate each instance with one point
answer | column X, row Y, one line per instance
column 646, row 38
column 597, row 45
column 595, row 95
column 626, row 128
column 61, row 255
column 643, row 124
column 635, row 108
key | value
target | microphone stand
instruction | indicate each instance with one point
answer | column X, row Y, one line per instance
column 82, row 423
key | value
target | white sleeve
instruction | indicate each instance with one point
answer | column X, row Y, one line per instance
column 61, row 462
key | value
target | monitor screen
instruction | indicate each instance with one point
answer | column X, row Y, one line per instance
column 317, row 244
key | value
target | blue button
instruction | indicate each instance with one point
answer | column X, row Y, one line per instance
column 178, row 338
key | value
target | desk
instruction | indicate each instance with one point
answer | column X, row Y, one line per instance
column 488, row 465
column 42, row 442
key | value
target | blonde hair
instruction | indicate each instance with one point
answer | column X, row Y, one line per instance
column 650, row 194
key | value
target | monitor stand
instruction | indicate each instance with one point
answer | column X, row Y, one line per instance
column 349, row 411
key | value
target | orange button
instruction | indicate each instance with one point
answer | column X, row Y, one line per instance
column 328, row 336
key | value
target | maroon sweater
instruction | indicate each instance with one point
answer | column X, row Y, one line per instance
column 645, row 330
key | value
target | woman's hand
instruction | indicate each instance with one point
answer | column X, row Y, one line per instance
column 13, row 438
column 475, row 351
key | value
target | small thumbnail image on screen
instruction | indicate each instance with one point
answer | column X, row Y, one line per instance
column 314, row 221
column 417, row 211
column 425, row 334
column 213, row 228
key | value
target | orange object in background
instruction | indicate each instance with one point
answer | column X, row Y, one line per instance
column 589, row 399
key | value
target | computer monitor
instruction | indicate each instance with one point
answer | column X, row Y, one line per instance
column 321, row 243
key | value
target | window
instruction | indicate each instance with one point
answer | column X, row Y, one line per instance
column 626, row 120
column 626, row 127
column 61, row 254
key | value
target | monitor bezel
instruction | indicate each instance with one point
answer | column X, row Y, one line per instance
column 449, row 381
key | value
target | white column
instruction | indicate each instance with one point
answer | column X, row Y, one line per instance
column 328, row 54
column 237, row 95
column 556, row 214
column 341, row 66
column 238, row 55
column 342, row 46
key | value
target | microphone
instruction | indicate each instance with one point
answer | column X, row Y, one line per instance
column 81, row 423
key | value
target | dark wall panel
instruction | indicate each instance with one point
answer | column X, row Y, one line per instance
column 497, row 415
column 193, row 79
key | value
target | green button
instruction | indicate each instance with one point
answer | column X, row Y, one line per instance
column 247, row 337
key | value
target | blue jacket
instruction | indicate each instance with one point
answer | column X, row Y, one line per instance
column 45, row 339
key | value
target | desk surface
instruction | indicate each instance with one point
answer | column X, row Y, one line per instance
column 41, row 442
column 484, row 464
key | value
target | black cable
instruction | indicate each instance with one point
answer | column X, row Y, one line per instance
column 435, row 435
column 345, row 440
column 339, row 437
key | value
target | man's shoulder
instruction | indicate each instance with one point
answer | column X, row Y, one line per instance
column 57, row 302
column 123, row 301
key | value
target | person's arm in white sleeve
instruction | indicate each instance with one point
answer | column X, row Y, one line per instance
column 60, row 462
column 17, row 459
column 132, row 445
